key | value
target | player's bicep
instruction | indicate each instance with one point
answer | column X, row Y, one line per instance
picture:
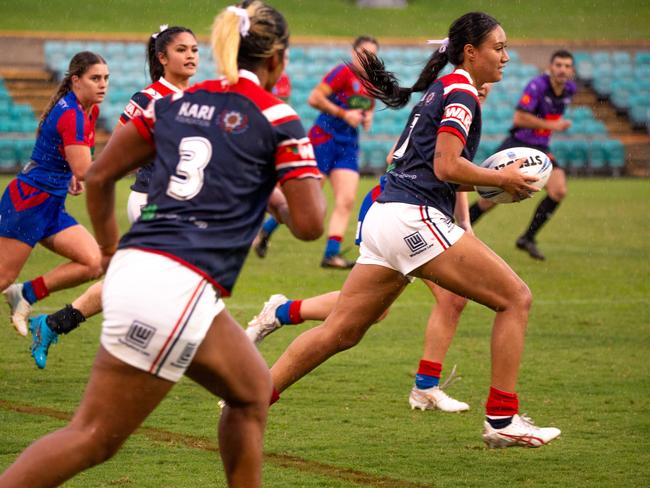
column 306, row 207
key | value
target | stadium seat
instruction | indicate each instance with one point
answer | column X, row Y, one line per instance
column 615, row 153
column 597, row 155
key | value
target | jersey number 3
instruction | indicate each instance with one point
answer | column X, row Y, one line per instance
column 195, row 154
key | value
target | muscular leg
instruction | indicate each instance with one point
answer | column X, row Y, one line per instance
column 556, row 189
column 13, row 256
column 79, row 246
column 117, row 400
column 228, row 365
column 89, row 303
column 318, row 307
column 368, row 291
column 479, row 207
column 442, row 323
column 344, row 184
column 469, row 268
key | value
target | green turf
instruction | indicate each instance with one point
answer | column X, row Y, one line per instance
column 522, row 19
column 585, row 370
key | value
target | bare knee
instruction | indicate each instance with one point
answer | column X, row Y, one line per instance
column 344, row 338
column 94, row 267
column 454, row 306
column 558, row 194
column 97, row 444
column 345, row 202
column 522, row 298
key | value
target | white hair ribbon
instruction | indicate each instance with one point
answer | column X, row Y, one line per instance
column 163, row 28
column 442, row 42
column 244, row 19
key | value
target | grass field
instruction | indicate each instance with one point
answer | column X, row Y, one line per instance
column 585, row 370
column 522, row 19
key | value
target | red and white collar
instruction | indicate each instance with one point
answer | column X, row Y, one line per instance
column 169, row 85
column 249, row 75
column 462, row 72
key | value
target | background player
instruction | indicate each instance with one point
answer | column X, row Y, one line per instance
column 172, row 57
column 344, row 105
column 163, row 313
column 32, row 208
column 539, row 113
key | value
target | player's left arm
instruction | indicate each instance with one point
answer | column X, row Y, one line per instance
column 126, row 150
column 461, row 212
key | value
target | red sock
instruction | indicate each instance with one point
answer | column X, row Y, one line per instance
column 40, row 289
column 429, row 368
column 294, row 312
column 501, row 403
column 275, row 396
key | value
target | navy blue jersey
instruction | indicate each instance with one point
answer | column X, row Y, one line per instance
column 220, row 150
column 540, row 100
column 451, row 105
column 136, row 106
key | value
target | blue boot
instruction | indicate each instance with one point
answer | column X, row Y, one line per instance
column 42, row 338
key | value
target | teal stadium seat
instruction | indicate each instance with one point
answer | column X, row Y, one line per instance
column 615, row 153
column 7, row 154
column 577, row 153
column 597, row 155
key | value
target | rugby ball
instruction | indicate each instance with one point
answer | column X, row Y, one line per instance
column 537, row 164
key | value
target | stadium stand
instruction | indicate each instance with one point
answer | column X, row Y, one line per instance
column 586, row 148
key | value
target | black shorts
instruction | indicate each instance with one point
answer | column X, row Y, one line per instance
column 513, row 142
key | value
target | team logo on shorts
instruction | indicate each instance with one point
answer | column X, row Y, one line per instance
column 139, row 334
column 186, row 356
column 415, row 242
column 233, row 122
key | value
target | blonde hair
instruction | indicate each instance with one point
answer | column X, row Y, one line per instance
column 268, row 34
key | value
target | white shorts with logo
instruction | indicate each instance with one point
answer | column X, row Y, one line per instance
column 156, row 312
column 136, row 202
column 403, row 237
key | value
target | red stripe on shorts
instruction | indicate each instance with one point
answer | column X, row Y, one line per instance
column 431, row 228
column 178, row 323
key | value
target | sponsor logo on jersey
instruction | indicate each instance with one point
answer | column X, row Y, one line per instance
column 525, row 100
column 233, row 122
column 460, row 114
column 195, row 113
column 132, row 110
column 359, row 101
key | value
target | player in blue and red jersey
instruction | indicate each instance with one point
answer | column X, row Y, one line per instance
column 539, row 113
column 163, row 312
column 409, row 231
column 32, row 209
column 172, row 56
column 344, row 105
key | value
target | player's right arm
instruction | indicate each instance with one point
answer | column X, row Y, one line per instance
column 525, row 116
column 526, row 120
column 319, row 98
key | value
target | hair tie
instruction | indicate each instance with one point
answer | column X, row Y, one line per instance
column 443, row 43
column 163, row 28
column 244, row 19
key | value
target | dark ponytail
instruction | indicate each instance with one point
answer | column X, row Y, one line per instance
column 471, row 28
column 79, row 64
column 158, row 43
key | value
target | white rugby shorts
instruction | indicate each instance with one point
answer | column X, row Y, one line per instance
column 136, row 202
column 156, row 312
column 403, row 237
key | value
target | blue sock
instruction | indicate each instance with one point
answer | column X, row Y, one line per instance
column 270, row 225
column 283, row 313
column 424, row 381
column 428, row 374
column 333, row 246
column 28, row 292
